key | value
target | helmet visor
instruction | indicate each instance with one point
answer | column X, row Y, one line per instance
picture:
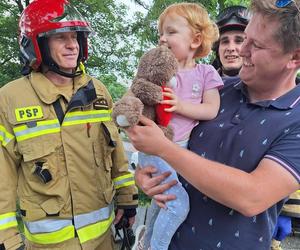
column 70, row 20
column 241, row 13
column 65, row 29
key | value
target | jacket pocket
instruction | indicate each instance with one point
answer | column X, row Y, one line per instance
column 33, row 210
column 103, row 149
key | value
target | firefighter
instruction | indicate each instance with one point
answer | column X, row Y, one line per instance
column 61, row 155
column 231, row 22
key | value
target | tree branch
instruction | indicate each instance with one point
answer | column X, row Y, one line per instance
column 141, row 3
column 6, row 60
column 20, row 5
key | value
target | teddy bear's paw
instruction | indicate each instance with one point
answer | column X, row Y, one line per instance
column 122, row 121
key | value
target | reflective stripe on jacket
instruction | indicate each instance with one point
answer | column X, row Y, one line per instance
column 88, row 226
column 68, row 174
column 8, row 220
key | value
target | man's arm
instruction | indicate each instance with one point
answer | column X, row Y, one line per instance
column 9, row 235
column 248, row 193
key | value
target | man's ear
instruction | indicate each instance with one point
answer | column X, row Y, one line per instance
column 197, row 40
column 294, row 62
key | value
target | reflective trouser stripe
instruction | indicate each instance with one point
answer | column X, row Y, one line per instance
column 8, row 220
column 88, row 226
column 95, row 230
column 5, row 136
column 124, row 181
column 51, row 238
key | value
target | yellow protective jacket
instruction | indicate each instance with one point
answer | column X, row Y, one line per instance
column 66, row 175
column 292, row 206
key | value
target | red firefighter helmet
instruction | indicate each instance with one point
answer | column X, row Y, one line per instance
column 42, row 18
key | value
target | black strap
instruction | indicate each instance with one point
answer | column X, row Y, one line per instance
column 59, row 111
column 293, row 202
column 125, row 241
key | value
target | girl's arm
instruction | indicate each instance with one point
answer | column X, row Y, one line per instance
column 206, row 110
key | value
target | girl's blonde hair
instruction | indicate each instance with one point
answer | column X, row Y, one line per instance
column 200, row 23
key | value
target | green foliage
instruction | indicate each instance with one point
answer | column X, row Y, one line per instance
column 9, row 62
column 144, row 200
column 116, row 89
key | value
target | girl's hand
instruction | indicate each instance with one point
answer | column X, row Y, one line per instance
column 174, row 101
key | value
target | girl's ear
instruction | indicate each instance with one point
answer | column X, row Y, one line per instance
column 294, row 62
column 197, row 40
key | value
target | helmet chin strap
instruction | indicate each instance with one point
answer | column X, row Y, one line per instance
column 56, row 69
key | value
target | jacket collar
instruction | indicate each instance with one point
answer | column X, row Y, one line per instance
column 47, row 91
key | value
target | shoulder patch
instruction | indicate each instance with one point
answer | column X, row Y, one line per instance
column 100, row 103
column 28, row 113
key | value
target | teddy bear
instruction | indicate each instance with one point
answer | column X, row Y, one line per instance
column 156, row 70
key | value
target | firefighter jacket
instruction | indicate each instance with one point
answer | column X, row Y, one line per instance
column 292, row 206
column 64, row 162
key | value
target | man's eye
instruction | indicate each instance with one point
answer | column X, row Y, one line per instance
column 224, row 42
column 240, row 40
column 58, row 36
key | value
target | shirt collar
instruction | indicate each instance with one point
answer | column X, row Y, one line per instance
column 287, row 101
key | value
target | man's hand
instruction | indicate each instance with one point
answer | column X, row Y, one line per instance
column 152, row 186
column 147, row 137
column 119, row 215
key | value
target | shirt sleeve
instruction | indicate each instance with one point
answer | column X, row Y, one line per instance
column 212, row 78
column 285, row 151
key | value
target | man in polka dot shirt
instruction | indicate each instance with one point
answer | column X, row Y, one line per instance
column 243, row 164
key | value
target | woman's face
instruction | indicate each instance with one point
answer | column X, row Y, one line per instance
column 230, row 45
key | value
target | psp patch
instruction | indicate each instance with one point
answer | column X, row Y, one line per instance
column 100, row 104
column 28, row 113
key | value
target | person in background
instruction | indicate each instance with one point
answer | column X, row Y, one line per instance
column 284, row 226
column 60, row 153
column 187, row 30
column 234, row 160
column 231, row 22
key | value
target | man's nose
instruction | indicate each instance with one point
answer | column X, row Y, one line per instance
column 244, row 50
column 231, row 47
column 71, row 42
